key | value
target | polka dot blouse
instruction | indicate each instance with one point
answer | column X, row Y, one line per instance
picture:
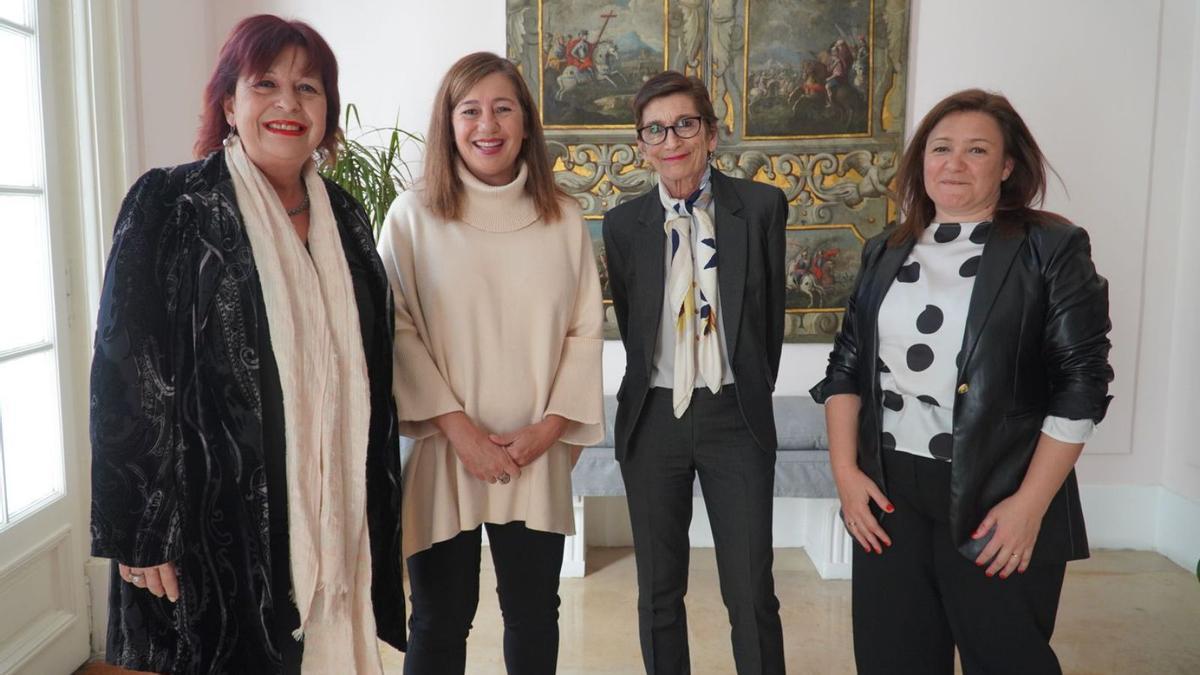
column 921, row 326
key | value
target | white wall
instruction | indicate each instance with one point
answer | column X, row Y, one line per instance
column 1061, row 83
column 391, row 55
column 1181, row 465
column 1111, row 92
column 173, row 54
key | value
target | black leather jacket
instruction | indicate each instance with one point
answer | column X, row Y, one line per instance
column 1036, row 344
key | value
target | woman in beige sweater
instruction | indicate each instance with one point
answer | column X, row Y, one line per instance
column 498, row 376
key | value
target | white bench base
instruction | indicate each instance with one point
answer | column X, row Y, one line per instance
column 811, row 524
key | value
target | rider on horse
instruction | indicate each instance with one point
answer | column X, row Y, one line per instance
column 579, row 52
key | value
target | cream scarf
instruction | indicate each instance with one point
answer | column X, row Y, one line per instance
column 315, row 336
column 692, row 291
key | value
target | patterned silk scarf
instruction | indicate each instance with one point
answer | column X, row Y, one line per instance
column 316, row 340
column 696, row 342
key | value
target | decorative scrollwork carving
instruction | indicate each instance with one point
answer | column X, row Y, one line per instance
column 599, row 175
column 689, row 58
column 726, row 36
column 603, row 175
column 521, row 31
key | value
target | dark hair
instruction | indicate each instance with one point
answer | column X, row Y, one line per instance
column 1020, row 194
column 251, row 48
column 674, row 82
column 443, row 188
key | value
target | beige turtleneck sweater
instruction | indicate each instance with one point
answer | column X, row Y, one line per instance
column 498, row 315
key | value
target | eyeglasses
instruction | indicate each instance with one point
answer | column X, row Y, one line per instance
column 684, row 127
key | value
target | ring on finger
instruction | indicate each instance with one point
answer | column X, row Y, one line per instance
column 136, row 578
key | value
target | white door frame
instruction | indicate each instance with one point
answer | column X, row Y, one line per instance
column 47, row 624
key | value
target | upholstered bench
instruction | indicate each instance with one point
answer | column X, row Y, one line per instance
column 807, row 516
column 801, row 465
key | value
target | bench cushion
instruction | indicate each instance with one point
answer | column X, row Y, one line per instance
column 801, row 465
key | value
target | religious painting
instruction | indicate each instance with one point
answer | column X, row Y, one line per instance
column 593, row 58
column 809, row 96
column 820, row 265
column 596, row 230
column 808, row 68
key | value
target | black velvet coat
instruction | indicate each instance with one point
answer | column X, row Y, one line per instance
column 1036, row 344
column 177, row 429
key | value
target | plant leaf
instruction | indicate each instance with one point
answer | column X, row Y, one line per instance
column 373, row 174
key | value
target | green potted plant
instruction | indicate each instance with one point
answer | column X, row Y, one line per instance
column 373, row 173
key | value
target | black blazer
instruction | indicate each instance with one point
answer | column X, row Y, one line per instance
column 750, row 219
column 1035, row 344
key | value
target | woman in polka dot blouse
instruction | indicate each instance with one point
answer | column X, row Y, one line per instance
column 971, row 367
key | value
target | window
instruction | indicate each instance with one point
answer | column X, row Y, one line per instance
column 31, row 439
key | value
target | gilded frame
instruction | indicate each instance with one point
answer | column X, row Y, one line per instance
column 746, row 99
column 832, row 181
column 627, row 90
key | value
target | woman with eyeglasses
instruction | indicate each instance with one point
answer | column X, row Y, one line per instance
column 697, row 276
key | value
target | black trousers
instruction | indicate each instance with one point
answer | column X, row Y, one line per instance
column 445, row 593
column 918, row 600
column 737, row 479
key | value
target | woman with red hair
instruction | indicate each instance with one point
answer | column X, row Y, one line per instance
column 245, row 465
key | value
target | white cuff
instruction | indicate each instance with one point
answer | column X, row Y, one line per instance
column 1068, row 431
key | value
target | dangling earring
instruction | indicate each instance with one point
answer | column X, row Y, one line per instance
column 230, row 136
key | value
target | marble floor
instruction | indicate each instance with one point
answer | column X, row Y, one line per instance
column 1126, row 612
